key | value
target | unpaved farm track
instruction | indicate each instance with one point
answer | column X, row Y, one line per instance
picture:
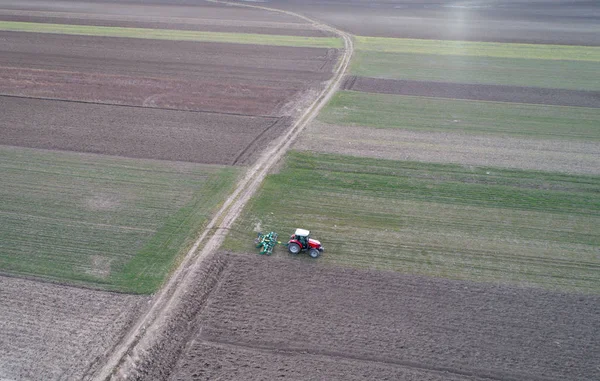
column 160, row 334
column 296, row 319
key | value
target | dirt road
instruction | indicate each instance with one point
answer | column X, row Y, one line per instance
column 135, row 351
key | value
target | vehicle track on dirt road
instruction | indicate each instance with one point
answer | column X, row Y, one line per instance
column 123, row 360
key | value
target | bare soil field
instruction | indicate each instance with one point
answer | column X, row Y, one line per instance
column 196, row 15
column 572, row 156
column 539, row 21
column 296, row 319
column 244, row 79
column 496, row 93
column 134, row 132
column 231, row 26
column 55, row 332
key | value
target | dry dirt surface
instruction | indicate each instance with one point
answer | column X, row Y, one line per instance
column 269, row 318
column 236, row 78
column 529, row 21
column 191, row 15
column 201, row 102
column 54, row 332
column 209, row 138
column 496, row 93
column 438, row 147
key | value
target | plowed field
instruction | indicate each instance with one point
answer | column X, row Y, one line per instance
column 539, row 22
column 295, row 319
column 133, row 131
column 234, row 78
column 182, row 15
column 53, row 332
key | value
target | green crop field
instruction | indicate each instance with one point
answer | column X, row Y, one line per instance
column 480, row 49
column 481, row 224
column 548, row 66
column 451, row 115
column 112, row 223
column 170, row 34
column 560, row 74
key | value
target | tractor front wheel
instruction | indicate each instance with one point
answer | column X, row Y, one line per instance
column 294, row 248
column 314, row 253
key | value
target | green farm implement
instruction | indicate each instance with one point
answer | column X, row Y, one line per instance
column 266, row 242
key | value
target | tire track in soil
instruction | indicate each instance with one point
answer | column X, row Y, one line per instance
column 136, row 106
column 141, row 347
column 278, row 121
column 495, row 376
column 349, row 82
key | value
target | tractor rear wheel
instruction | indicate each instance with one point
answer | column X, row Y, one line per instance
column 294, row 248
column 314, row 253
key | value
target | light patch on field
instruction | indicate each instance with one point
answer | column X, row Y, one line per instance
column 103, row 201
column 99, row 267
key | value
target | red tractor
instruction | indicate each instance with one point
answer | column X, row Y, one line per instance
column 301, row 241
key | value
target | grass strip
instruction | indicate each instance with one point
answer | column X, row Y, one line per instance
column 481, row 224
column 480, row 49
column 110, row 223
column 559, row 74
column 171, row 34
column 450, row 115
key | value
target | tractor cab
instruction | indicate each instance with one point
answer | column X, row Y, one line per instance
column 302, row 236
column 301, row 241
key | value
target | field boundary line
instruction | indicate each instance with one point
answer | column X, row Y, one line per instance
column 146, row 331
column 136, row 106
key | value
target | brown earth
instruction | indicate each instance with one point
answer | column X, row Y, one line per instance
column 151, row 133
column 539, row 21
column 211, row 103
column 54, row 332
column 193, row 15
column 440, row 147
column 244, row 79
column 205, row 25
column 496, row 93
column 523, row 21
column 268, row 318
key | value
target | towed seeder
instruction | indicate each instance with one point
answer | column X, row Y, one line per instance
column 266, row 242
column 299, row 241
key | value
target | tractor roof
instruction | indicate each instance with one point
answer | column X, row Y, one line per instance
column 302, row 232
